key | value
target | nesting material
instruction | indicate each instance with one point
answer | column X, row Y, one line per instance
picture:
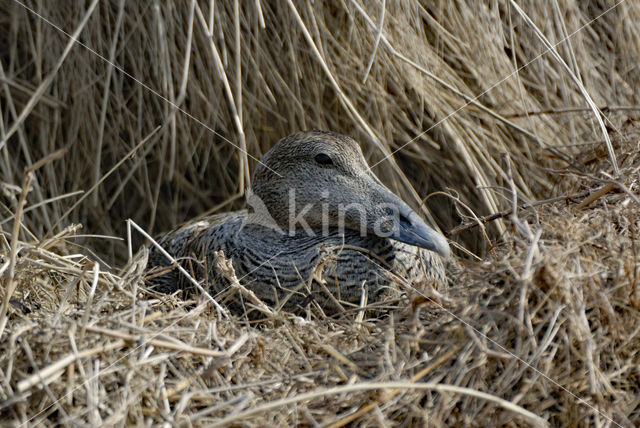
column 540, row 322
column 545, row 330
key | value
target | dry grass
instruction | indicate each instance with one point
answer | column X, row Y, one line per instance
column 544, row 329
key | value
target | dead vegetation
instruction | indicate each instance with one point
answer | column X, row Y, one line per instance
column 154, row 103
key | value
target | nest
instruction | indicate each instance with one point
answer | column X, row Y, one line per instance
column 545, row 330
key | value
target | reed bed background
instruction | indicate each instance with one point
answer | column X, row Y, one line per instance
column 157, row 112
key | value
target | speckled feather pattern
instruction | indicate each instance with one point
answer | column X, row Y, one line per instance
column 293, row 269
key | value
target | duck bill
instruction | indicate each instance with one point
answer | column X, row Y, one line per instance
column 412, row 230
column 409, row 228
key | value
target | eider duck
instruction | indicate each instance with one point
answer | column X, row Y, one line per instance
column 320, row 228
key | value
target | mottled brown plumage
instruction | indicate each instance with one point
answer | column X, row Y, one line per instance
column 328, row 253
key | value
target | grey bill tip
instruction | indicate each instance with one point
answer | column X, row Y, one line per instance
column 412, row 230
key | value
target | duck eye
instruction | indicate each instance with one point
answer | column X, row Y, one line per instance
column 323, row 159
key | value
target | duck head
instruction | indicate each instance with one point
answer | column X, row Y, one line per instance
column 311, row 181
